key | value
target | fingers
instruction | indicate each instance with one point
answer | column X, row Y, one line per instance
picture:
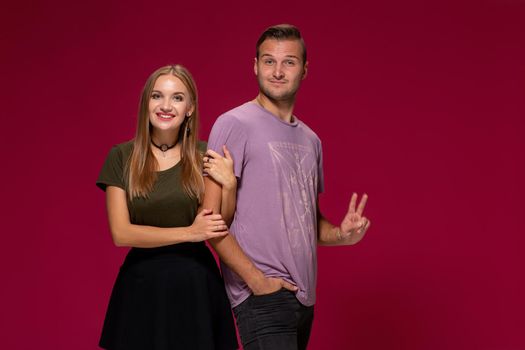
column 214, row 217
column 353, row 200
column 209, row 167
column 212, row 154
column 218, row 227
column 289, row 286
column 365, row 224
column 215, row 222
column 204, row 212
column 227, row 153
column 217, row 234
column 362, row 204
column 207, row 214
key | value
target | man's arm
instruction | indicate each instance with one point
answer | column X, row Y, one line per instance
column 231, row 253
column 221, row 171
column 352, row 229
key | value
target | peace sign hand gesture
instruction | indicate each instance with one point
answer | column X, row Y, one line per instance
column 354, row 224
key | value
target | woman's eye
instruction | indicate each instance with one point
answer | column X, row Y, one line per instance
column 155, row 96
column 178, row 98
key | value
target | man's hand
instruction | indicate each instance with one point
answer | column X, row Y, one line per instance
column 354, row 224
column 267, row 285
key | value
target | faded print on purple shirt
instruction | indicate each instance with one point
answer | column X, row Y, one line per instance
column 279, row 166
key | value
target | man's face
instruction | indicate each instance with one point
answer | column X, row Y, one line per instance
column 280, row 68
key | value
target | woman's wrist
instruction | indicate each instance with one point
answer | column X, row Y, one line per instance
column 230, row 184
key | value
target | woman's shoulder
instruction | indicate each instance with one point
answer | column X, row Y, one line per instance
column 120, row 152
column 125, row 146
column 202, row 146
column 123, row 149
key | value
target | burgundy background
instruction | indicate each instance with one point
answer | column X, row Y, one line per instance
column 418, row 103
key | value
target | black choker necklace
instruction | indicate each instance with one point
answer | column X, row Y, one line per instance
column 164, row 147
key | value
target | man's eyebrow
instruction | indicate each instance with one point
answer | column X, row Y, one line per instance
column 287, row 56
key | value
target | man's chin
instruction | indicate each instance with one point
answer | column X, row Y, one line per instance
column 279, row 97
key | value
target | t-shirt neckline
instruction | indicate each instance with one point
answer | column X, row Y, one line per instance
column 293, row 124
column 170, row 168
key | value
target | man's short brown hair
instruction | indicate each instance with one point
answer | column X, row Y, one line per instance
column 281, row 32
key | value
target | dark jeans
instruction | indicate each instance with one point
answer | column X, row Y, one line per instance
column 276, row 321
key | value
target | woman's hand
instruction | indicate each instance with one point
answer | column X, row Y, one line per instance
column 207, row 225
column 220, row 168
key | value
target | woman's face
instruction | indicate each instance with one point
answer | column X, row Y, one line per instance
column 169, row 103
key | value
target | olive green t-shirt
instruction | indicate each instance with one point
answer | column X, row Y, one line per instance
column 167, row 205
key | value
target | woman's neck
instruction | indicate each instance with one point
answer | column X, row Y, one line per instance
column 166, row 137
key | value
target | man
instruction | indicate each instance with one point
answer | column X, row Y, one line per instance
column 269, row 260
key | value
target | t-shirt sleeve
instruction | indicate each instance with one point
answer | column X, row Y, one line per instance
column 112, row 173
column 228, row 131
column 320, row 173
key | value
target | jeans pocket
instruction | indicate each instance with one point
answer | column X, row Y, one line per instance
column 269, row 295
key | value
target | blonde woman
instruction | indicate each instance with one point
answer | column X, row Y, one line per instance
column 169, row 293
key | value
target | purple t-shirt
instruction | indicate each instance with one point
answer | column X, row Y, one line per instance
column 279, row 166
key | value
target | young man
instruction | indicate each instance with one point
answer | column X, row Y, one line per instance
column 269, row 261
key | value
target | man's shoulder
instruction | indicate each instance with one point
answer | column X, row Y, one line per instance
column 308, row 131
column 238, row 116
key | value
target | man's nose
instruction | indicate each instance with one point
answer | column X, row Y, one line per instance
column 278, row 72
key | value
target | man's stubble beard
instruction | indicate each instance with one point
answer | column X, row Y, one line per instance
column 285, row 96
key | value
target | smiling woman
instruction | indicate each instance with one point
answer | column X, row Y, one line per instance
column 169, row 293
column 169, row 105
column 167, row 114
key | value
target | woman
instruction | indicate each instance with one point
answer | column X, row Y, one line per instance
column 169, row 293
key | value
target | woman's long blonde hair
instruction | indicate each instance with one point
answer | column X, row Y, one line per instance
column 142, row 166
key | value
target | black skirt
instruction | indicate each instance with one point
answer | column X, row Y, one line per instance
column 169, row 298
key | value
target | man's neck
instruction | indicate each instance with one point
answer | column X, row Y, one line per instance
column 281, row 109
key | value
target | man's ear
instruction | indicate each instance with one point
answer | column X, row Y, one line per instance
column 305, row 70
column 255, row 66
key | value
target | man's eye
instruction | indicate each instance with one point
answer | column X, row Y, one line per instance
column 290, row 63
column 268, row 61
